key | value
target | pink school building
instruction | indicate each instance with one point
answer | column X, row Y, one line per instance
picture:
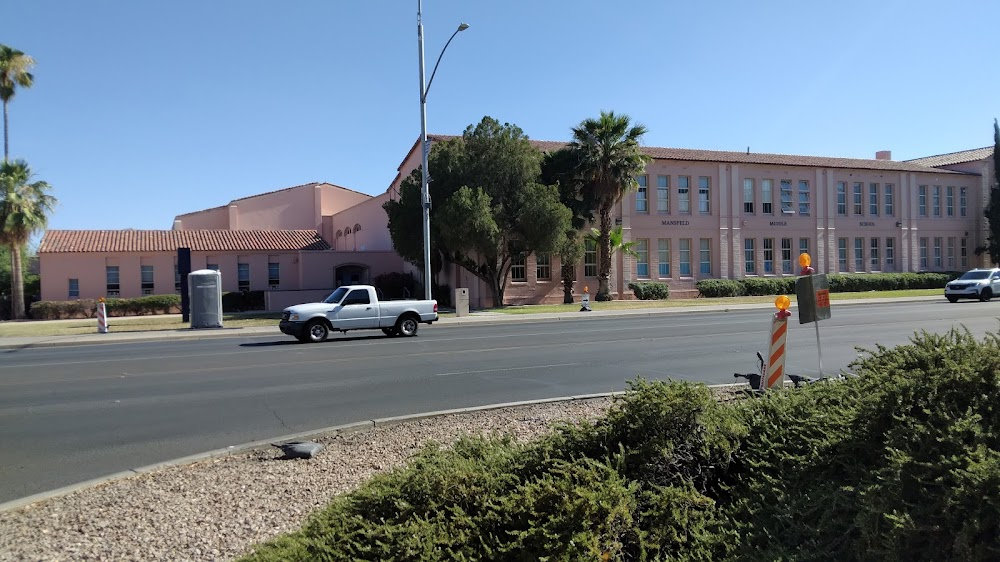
column 697, row 215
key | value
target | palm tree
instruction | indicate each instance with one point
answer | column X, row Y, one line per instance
column 24, row 209
column 14, row 67
column 610, row 158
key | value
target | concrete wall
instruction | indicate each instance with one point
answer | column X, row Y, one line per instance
column 89, row 268
column 373, row 234
column 209, row 219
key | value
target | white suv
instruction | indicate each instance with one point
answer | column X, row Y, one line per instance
column 980, row 284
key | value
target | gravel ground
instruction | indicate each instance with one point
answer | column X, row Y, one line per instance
column 218, row 509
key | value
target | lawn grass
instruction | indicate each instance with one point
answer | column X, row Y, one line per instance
column 252, row 319
column 128, row 324
column 681, row 303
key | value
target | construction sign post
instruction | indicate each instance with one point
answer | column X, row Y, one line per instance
column 776, row 349
column 813, row 295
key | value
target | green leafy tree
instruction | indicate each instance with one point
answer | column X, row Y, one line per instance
column 24, row 210
column 617, row 240
column 406, row 216
column 610, row 159
column 500, row 211
column 561, row 168
column 14, row 73
column 993, row 208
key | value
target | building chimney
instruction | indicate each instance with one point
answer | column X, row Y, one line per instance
column 178, row 224
column 883, row 155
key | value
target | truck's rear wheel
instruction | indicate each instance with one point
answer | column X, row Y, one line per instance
column 316, row 331
column 407, row 325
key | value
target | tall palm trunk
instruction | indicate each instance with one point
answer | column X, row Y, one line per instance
column 604, row 253
column 5, row 144
column 16, row 283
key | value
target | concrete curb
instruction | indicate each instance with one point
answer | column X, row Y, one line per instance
column 366, row 425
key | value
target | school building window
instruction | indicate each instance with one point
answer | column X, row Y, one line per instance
column 936, row 200
column 786, row 255
column 543, row 267
column 749, row 259
column 663, row 255
column 949, row 201
column 937, row 252
column 685, row 255
column 767, row 197
column 923, row 253
column 874, row 259
column 274, row 274
column 663, row 195
column 951, row 252
column 873, row 199
column 962, row 202
column 704, row 202
column 642, row 196
column 518, row 269
column 859, row 254
column 890, row 254
column 858, row 202
column 146, row 273
column 803, row 197
column 590, row 258
column 768, row 255
column 964, row 252
column 922, row 200
column 803, row 245
column 243, row 276
column 887, row 198
column 786, row 197
column 112, row 280
column 177, row 278
column 74, row 288
column 642, row 258
column 748, row 196
column 841, row 199
column 706, row 256
column 684, row 194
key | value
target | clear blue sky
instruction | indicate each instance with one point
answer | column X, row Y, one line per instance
column 145, row 110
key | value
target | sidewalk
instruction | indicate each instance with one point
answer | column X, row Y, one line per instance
column 475, row 318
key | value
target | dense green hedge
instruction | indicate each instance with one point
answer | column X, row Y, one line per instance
column 901, row 463
column 87, row 308
column 650, row 290
column 839, row 283
column 242, row 301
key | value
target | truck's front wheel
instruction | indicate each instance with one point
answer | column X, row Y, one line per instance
column 316, row 331
column 407, row 326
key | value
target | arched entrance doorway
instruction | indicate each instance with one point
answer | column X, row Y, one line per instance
column 350, row 274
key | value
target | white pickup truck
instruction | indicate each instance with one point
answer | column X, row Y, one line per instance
column 356, row 307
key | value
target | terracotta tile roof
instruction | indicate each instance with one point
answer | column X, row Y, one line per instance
column 954, row 157
column 107, row 241
column 694, row 155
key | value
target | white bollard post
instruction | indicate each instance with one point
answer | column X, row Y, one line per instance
column 102, row 317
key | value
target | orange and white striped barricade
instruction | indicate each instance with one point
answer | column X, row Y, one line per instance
column 102, row 317
column 776, row 349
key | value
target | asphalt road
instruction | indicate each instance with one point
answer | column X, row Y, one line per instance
column 69, row 414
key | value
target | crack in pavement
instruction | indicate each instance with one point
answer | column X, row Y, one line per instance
column 273, row 411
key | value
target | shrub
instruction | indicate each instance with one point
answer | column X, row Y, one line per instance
column 650, row 290
column 240, row 301
column 901, row 463
column 396, row 285
column 714, row 288
column 87, row 308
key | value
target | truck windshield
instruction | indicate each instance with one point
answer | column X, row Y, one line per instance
column 972, row 275
column 336, row 296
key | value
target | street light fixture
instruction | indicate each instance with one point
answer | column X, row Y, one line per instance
column 425, row 196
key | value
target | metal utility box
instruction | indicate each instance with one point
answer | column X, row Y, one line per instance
column 813, row 295
column 205, row 291
column 461, row 302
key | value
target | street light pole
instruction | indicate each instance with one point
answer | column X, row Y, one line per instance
column 425, row 195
